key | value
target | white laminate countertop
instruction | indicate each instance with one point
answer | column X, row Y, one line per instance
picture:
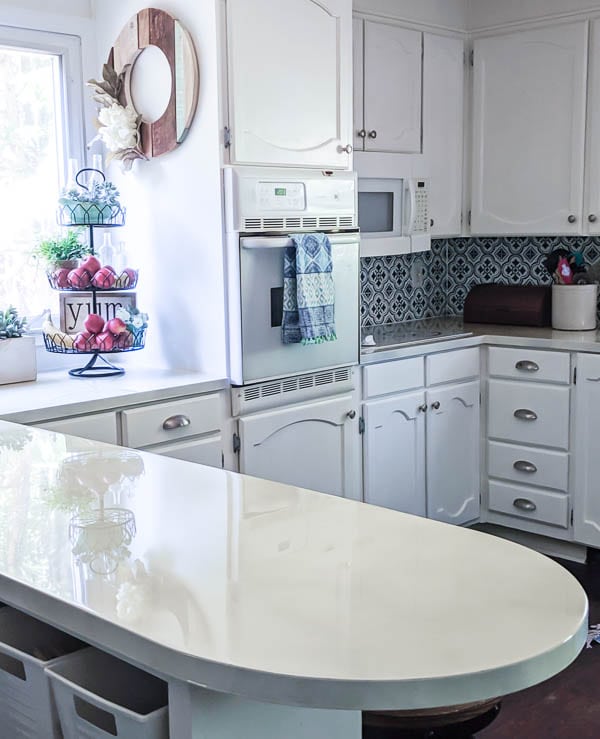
column 394, row 341
column 55, row 394
column 271, row 592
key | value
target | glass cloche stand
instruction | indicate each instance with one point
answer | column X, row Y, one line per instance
column 93, row 215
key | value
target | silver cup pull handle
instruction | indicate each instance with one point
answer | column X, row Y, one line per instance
column 176, row 422
column 524, row 505
column 522, row 466
column 524, row 414
column 527, row 366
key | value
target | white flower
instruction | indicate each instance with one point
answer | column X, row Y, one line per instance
column 137, row 321
column 118, row 128
column 122, row 313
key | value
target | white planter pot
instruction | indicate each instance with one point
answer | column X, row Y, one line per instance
column 574, row 307
column 17, row 360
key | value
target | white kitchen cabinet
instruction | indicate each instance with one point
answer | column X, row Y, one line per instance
column 387, row 87
column 394, row 453
column 443, row 114
column 452, row 442
column 586, row 460
column 94, row 426
column 290, row 82
column 591, row 210
column 207, row 450
column 529, row 130
column 422, row 448
column 315, row 445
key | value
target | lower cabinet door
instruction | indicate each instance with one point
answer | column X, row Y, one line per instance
column 394, row 453
column 452, row 442
column 314, row 446
column 586, row 459
column 208, row 451
column 94, row 426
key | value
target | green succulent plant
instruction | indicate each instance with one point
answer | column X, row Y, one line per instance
column 11, row 326
column 60, row 248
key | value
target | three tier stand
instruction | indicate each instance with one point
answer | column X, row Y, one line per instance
column 93, row 216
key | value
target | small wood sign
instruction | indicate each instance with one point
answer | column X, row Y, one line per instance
column 75, row 307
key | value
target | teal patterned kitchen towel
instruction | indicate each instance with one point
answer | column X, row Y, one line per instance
column 308, row 291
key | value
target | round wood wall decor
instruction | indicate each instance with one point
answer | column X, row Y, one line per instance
column 153, row 27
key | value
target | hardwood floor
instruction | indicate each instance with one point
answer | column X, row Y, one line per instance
column 566, row 706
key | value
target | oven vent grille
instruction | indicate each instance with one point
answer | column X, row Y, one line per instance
column 297, row 222
column 296, row 384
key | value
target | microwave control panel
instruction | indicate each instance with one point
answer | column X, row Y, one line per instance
column 420, row 220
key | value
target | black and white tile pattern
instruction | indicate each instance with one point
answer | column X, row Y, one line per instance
column 452, row 268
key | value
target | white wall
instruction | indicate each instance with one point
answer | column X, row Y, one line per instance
column 174, row 210
column 438, row 13
column 489, row 13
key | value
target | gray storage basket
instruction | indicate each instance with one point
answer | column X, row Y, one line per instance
column 100, row 696
column 27, row 646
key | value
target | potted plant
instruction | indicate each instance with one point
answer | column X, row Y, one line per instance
column 62, row 251
column 95, row 205
column 17, row 352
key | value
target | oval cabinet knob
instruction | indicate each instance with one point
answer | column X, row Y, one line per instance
column 423, row 408
column 522, row 466
column 347, row 149
column 431, row 223
column 436, row 405
column 351, row 415
column 572, row 218
column 523, row 504
column 592, row 218
column 527, row 366
column 362, row 134
column 524, row 414
column 373, row 134
column 176, row 422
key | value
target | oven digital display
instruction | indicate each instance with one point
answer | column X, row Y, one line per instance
column 280, row 191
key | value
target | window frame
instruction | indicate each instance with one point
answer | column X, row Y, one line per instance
column 68, row 49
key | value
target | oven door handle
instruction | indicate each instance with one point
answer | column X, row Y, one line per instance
column 280, row 242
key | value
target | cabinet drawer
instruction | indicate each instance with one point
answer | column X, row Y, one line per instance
column 451, row 366
column 96, row 426
column 544, row 506
column 527, row 465
column 527, row 364
column 149, row 424
column 208, row 450
column 394, row 377
column 531, row 413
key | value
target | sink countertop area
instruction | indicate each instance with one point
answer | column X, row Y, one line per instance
column 272, row 592
column 400, row 340
column 56, row 394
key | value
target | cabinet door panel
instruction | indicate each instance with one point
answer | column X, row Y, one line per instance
column 95, row 426
column 586, row 460
column 392, row 87
column 528, row 131
column 290, row 85
column 314, row 446
column 443, row 113
column 452, row 443
column 395, row 452
column 358, row 26
column 591, row 212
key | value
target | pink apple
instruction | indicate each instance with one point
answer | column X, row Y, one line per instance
column 128, row 277
column 116, row 326
column 60, row 277
column 94, row 323
column 124, row 340
column 105, row 341
column 104, row 279
column 85, row 341
column 79, row 278
column 91, row 264
column 110, row 269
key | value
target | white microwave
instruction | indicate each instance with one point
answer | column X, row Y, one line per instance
column 393, row 216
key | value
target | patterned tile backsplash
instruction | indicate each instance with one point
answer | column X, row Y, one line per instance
column 452, row 268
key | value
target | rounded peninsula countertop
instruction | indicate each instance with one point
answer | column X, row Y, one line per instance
column 272, row 592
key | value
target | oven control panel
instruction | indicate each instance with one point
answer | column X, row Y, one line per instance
column 288, row 196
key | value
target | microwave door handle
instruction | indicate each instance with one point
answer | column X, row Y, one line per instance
column 410, row 203
column 266, row 242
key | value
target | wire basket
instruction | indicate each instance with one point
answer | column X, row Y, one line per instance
column 74, row 213
column 61, row 279
column 61, row 343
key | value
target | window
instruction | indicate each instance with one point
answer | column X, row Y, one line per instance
column 41, row 127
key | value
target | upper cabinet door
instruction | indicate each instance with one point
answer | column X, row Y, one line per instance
column 392, row 88
column 591, row 211
column 528, row 131
column 290, row 82
column 443, row 114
